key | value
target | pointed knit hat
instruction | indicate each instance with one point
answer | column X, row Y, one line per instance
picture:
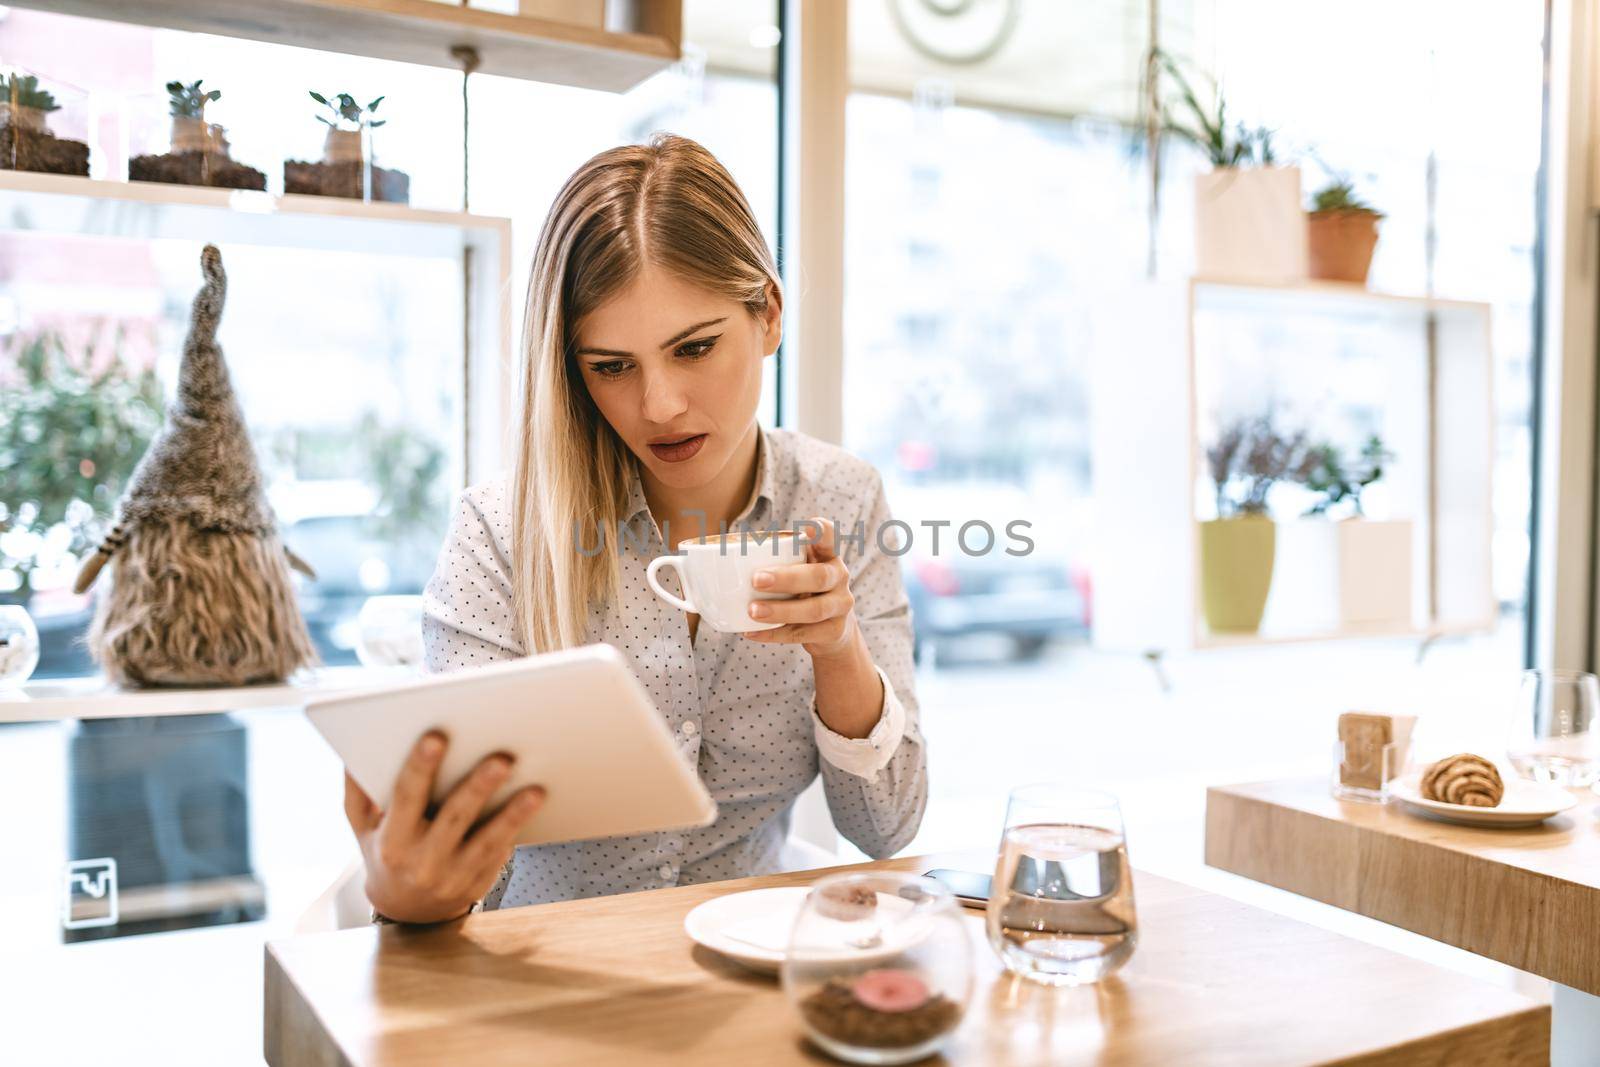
column 202, row 467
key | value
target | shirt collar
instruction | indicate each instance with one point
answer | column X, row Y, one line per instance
column 765, row 487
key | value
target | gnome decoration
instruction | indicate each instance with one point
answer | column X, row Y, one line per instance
column 200, row 591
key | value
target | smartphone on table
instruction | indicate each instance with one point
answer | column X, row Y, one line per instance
column 968, row 887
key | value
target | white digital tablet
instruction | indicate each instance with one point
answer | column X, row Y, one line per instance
column 577, row 722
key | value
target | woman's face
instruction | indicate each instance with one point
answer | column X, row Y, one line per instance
column 676, row 370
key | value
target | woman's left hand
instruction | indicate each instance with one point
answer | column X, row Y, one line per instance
column 821, row 616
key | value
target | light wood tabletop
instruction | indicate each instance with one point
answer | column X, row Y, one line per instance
column 1528, row 897
column 614, row 980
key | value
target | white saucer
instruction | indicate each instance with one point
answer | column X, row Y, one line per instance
column 1524, row 804
column 753, row 927
column 764, row 916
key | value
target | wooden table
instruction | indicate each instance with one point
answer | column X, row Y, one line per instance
column 614, row 980
column 1529, row 897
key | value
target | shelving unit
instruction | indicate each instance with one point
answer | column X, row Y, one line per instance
column 65, row 204
column 1155, row 369
column 423, row 31
column 95, row 698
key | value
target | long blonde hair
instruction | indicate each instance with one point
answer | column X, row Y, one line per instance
column 670, row 203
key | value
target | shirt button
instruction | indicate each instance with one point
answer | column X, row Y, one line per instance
column 665, row 871
column 688, row 728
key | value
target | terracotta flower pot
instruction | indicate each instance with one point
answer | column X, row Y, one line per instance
column 1236, row 558
column 1340, row 244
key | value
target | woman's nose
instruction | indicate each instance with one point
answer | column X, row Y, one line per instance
column 664, row 398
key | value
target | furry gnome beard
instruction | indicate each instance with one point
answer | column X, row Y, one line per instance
column 200, row 591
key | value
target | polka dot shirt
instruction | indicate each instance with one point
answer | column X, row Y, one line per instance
column 743, row 713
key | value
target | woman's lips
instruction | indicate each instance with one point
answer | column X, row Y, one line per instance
column 678, row 451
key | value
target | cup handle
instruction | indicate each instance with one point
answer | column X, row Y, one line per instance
column 655, row 586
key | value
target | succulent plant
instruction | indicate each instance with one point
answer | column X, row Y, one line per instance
column 347, row 114
column 22, row 90
column 1340, row 195
column 188, row 101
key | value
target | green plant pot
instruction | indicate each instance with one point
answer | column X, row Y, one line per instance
column 1236, row 571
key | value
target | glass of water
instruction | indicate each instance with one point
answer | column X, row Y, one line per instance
column 1061, row 906
column 1554, row 734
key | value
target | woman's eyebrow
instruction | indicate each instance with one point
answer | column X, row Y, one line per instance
column 674, row 339
column 681, row 334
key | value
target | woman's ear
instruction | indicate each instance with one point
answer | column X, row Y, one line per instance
column 772, row 320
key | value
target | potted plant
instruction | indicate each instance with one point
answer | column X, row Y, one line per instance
column 347, row 167
column 23, row 104
column 1341, row 233
column 1238, row 547
column 1248, row 221
column 197, row 151
column 190, row 133
column 26, row 142
column 1369, row 569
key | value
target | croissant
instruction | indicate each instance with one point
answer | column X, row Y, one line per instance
column 1464, row 779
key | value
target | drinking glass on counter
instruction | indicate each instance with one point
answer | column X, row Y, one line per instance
column 1061, row 906
column 1554, row 735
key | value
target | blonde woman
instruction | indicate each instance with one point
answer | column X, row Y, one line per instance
column 652, row 304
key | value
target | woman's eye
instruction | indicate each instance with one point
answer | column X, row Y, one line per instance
column 695, row 349
column 608, row 370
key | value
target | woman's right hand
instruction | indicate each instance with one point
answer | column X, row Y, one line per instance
column 422, row 870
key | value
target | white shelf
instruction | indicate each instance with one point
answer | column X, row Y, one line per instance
column 64, row 203
column 421, row 31
column 1339, row 299
column 96, row 698
column 67, row 204
column 1264, row 639
column 1162, row 349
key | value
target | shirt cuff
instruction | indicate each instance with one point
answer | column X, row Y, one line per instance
column 864, row 756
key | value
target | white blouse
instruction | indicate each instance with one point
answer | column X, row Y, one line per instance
column 743, row 712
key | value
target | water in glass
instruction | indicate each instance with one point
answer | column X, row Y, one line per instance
column 1061, row 908
column 1555, row 731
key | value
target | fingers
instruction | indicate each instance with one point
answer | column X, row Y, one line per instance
column 492, row 842
column 822, row 540
column 799, row 577
column 359, row 808
column 415, row 783
column 830, row 605
column 465, row 804
column 818, row 633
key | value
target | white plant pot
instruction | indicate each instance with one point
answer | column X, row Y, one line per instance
column 1249, row 225
column 1348, row 575
column 342, row 146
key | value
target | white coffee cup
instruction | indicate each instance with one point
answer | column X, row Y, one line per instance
column 716, row 573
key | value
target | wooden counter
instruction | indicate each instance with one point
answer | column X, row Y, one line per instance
column 1529, row 898
column 615, row 981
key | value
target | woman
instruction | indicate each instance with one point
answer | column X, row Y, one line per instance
column 652, row 303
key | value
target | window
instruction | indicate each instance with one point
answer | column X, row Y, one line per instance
column 348, row 363
column 992, row 206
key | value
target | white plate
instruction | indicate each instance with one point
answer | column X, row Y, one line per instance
column 753, row 927
column 1525, row 803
